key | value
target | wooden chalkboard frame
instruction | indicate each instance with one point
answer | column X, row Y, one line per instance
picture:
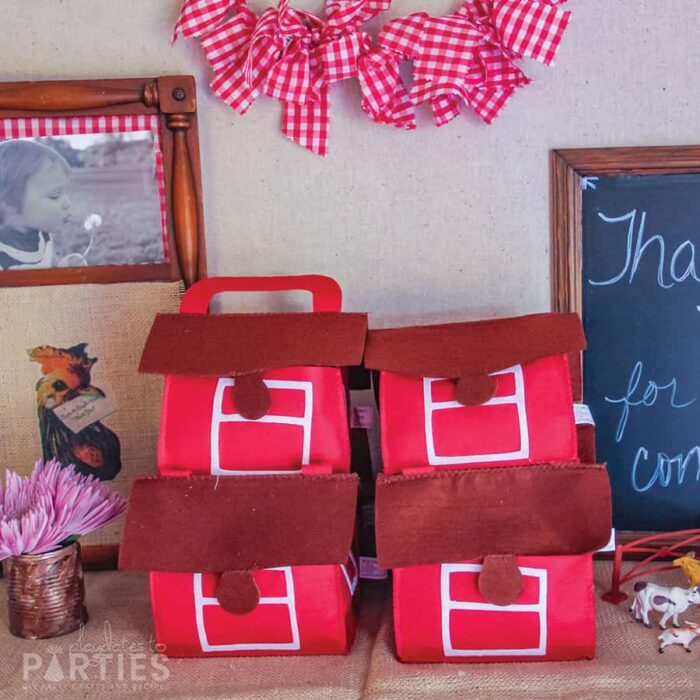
column 173, row 100
column 567, row 168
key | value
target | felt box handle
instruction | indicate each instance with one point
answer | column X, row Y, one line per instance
column 325, row 291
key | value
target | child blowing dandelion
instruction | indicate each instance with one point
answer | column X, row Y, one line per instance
column 33, row 204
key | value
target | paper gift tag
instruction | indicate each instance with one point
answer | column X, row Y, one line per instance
column 86, row 409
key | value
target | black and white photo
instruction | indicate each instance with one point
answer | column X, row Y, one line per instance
column 80, row 200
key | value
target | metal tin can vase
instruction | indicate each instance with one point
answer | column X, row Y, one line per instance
column 46, row 593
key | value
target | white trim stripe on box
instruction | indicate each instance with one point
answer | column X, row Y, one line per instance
column 218, row 417
column 352, row 582
column 610, row 546
column 201, row 601
column 517, row 398
column 583, row 415
column 448, row 604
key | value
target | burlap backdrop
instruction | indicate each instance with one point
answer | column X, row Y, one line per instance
column 113, row 319
column 627, row 664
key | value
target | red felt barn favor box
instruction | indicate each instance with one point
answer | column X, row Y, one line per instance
column 484, row 512
column 247, row 531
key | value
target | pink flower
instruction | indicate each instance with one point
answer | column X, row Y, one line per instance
column 40, row 511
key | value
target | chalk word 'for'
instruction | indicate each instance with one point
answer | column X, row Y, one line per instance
column 647, row 398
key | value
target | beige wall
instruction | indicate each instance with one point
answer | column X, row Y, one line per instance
column 429, row 225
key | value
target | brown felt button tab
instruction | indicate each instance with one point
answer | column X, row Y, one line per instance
column 500, row 580
column 251, row 397
column 237, row 592
column 475, row 390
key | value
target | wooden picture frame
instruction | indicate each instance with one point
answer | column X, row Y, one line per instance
column 172, row 100
column 567, row 169
column 168, row 105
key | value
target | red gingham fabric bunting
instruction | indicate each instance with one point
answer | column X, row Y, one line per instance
column 405, row 35
column 198, row 16
column 293, row 56
column 531, row 29
column 469, row 55
column 445, row 108
column 340, row 56
column 307, row 123
column 226, row 42
column 384, row 96
column 344, row 13
column 287, row 54
column 487, row 103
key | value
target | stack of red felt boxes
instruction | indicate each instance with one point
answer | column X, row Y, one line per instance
column 484, row 511
column 247, row 531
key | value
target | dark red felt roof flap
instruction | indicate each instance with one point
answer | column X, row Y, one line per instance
column 239, row 344
column 456, row 515
column 474, row 348
column 215, row 524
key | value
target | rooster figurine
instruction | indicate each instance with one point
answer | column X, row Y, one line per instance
column 95, row 450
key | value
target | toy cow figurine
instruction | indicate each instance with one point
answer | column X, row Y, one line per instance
column 684, row 636
column 691, row 568
column 669, row 601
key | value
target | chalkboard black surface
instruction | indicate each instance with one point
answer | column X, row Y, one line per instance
column 640, row 293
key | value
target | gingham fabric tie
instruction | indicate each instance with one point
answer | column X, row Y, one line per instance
column 199, row 16
column 469, row 55
column 290, row 55
column 294, row 57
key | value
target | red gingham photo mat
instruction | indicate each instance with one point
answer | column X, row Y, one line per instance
column 37, row 127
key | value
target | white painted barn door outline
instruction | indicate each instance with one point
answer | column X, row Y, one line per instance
column 517, row 398
column 218, row 416
column 448, row 604
column 201, row 601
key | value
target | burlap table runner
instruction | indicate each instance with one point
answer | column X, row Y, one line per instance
column 627, row 664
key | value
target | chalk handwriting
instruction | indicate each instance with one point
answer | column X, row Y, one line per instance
column 648, row 397
column 662, row 472
column 636, row 248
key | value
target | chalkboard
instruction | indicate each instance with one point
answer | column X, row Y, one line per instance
column 625, row 238
column 641, row 313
